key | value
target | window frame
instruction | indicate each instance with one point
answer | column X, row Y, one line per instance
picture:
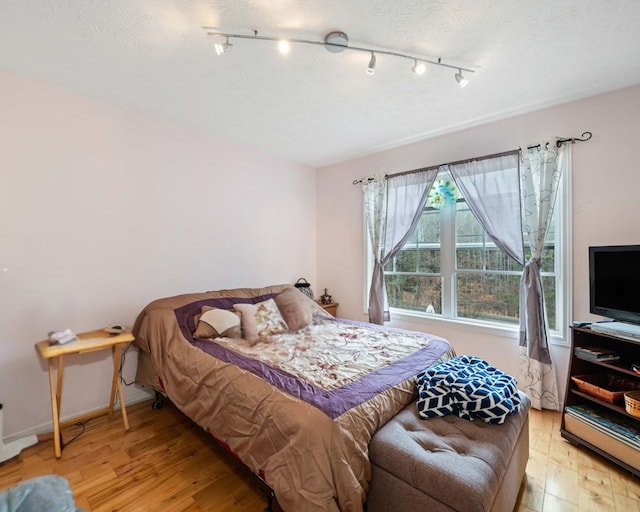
column 562, row 269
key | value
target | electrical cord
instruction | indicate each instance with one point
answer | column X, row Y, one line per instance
column 122, row 359
column 82, row 424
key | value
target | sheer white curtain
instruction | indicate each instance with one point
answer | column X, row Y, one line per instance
column 406, row 195
column 491, row 188
column 541, row 169
column 375, row 211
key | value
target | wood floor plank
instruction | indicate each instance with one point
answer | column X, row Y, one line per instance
column 563, row 453
column 531, row 495
column 537, row 466
column 596, row 482
column 555, row 504
column 623, row 504
column 591, row 500
column 562, row 482
column 165, row 463
column 624, row 484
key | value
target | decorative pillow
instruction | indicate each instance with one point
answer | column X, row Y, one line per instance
column 218, row 323
column 260, row 320
column 294, row 308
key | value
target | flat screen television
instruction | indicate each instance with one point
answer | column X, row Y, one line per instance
column 614, row 282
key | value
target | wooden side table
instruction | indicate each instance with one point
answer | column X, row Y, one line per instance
column 86, row 342
column 332, row 308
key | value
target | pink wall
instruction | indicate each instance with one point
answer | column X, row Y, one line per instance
column 605, row 205
column 104, row 210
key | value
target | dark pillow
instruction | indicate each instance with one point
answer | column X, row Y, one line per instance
column 294, row 308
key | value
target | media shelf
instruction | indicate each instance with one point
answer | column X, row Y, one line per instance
column 592, row 421
column 601, row 403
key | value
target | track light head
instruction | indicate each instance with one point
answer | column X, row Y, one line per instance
column 284, row 46
column 371, row 68
column 462, row 81
column 223, row 47
column 418, row 68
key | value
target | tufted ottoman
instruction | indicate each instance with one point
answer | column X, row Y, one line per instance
column 448, row 463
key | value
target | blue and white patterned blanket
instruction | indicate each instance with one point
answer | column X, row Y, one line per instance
column 469, row 387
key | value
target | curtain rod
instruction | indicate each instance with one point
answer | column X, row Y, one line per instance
column 585, row 137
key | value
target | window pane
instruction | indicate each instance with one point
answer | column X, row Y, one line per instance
column 486, row 281
column 468, row 229
column 497, row 260
column 470, row 239
column 429, row 261
column 549, row 289
column 407, row 260
column 416, row 293
column 474, row 249
column 548, row 258
column 413, row 237
column 469, row 258
column 487, row 296
column 428, row 229
column 488, row 257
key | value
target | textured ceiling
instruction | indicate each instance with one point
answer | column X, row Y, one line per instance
column 312, row 106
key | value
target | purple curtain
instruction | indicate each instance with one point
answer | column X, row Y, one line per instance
column 406, row 196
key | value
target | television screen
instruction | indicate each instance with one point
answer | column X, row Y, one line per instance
column 614, row 282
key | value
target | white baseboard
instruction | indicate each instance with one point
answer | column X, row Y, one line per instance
column 139, row 396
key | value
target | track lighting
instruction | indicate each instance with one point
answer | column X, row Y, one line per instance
column 418, row 68
column 462, row 81
column 223, row 47
column 371, row 68
column 337, row 42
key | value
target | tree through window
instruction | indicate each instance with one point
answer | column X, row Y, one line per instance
column 450, row 267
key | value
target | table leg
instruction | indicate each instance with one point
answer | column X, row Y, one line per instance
column 114, row 380
column 56, row 392
column 117, row 385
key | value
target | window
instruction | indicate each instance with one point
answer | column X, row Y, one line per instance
column 450, row 268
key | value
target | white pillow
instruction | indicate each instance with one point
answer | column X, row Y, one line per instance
column 220, row 319
column 214, row 323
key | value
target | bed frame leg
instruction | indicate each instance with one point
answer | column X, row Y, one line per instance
column 157, row 403
column 270, row 496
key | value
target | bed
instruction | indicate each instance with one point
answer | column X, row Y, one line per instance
column 298, row 406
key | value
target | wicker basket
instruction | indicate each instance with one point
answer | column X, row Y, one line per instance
column 605, row 386
column 632, row 403
column 303, row 285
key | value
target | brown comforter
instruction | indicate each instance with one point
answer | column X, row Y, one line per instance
column 299, row 409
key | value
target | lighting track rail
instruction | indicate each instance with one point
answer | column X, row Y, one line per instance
column 336, row 42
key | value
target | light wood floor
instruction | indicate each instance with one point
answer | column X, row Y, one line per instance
column 164, row 463
column 564, row 478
